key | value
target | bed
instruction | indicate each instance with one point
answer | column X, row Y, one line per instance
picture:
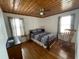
column 43, row 38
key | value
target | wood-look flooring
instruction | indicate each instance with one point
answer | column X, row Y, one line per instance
column 31, row 50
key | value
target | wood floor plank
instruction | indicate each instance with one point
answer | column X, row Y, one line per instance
column 31, row 50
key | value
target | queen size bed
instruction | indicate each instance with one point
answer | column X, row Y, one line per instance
column 43, row 38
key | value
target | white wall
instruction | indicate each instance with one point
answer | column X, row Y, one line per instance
column 51, row 22
column 77, row 42
column 29, row 22
column 7, row 25
column 3, row 37
column 77, row 45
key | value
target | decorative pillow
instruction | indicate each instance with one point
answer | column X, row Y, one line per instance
column 40, row 30
column 37, row 31
column 34, row 31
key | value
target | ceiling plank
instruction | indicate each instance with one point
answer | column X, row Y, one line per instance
column 32, row 7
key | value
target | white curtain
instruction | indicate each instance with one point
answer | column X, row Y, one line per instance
column 17, row 26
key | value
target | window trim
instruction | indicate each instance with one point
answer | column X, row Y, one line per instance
column 9, row 19
column 72, row 23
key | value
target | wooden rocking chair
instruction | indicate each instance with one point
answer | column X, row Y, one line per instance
column 67, row 36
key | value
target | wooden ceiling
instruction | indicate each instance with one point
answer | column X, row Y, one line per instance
column 32, row 7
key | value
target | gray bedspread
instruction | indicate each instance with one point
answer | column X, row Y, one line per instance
column 44, row 37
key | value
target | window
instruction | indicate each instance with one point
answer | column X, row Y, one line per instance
column 17, row 26
column 66, row 22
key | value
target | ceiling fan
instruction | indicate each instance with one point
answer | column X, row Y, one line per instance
column 43, row 11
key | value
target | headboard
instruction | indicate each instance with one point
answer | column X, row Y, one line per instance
column 39, row 30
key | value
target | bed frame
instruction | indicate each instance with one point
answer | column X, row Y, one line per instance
column 40, row 43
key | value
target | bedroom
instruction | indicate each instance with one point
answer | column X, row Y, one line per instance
column 49, row 21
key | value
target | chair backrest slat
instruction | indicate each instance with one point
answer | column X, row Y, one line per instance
column 67, row 35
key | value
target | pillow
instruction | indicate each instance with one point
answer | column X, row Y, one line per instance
column 34, row 31
column 37, row 31
column 40, row 30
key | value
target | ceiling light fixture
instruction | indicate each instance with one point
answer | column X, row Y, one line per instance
column 41, row 13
